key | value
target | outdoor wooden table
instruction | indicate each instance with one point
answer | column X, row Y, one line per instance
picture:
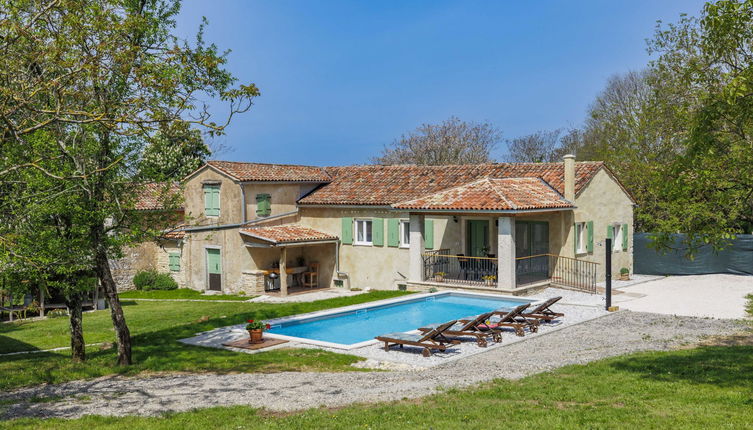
column 296, row 272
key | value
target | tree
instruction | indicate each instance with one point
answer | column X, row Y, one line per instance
column 451, row 142
column 704, row 81
column 104, row 77
column 175, row 152
column 539, row 147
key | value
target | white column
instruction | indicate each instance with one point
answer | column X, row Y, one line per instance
column 416, row 270
column 283, row 272
column 506, row 252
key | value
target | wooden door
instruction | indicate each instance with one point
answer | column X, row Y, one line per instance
column 214, row 269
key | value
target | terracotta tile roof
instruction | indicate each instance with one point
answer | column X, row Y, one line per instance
column 150, row 196
column 493, row 195
column 261, row 172
column 287, row 234
column 386, row 185
column 175, row 233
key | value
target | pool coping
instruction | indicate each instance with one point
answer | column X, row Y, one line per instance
column 377, row 303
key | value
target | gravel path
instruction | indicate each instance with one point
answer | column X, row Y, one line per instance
column 614, row 334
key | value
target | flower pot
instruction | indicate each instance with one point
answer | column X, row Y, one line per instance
column 255, row 336
column 489, row 282
column 624, row 276
column 438, row 278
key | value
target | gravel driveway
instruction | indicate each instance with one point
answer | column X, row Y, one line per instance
column 615, row 334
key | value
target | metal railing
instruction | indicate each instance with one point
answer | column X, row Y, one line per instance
column 564, row 271
column 441, row 266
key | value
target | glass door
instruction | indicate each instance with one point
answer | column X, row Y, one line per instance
column 531, row 247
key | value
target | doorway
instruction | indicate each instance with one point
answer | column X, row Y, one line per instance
column 214, row 269
column 477, row 239
column 531, row 245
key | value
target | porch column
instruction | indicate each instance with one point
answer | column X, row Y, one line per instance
column 283, row 272
column 506, row 252
column 416, row 271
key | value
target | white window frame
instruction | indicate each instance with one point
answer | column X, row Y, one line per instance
column 404, row 231
column 362, row 222
column 580, row 238
column 617, row 237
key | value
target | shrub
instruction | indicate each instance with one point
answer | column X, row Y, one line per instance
column 144, row 279
column 151, row 280
column 624, row 271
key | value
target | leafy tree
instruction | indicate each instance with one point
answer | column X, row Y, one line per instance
column 704, row 76
column 175, row 152
column 103, row 78
column 451, row 142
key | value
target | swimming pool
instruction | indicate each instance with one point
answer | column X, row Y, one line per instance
column 357, row 326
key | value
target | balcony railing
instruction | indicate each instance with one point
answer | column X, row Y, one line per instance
column 441, row 266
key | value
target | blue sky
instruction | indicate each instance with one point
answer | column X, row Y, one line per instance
column 340, row 79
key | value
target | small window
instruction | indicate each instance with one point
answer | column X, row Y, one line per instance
column 212, row 200
column 404, row 234
column 617, row 238
column 580, row 238
column 263, row 205
column 174, row 261
column 363, row 232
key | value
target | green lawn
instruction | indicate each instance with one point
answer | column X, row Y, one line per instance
column 181, row 293
column 155, row 328
column 707, row 387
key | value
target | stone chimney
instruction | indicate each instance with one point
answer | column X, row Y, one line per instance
column 569, row 160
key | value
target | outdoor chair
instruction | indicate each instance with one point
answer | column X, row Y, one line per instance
column 433, row 339
column 515, row 320
column 470, row 328
column 311, row 278
column 542, row 312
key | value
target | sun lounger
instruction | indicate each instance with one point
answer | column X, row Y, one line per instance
column 433, row 339
column 472, row 327
column 543, row 312
column 514, row 319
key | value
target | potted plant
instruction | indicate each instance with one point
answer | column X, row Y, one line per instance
column 256, row 330
column 439, row 276
column 624, row 274
column 489, row 280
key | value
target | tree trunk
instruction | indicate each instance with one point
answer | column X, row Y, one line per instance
column 78, row 349
column 123, row 335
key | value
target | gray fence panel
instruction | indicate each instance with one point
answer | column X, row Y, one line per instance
column 736, row 259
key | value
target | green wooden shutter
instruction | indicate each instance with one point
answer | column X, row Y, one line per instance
column 393, row 232
column 347, row 233
column 429, row 234
column 174, row 261
column 624, row 237
column 590, row 237
column 377, row 232
column 212, row 200
column 263, row 204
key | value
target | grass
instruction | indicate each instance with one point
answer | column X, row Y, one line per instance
column 706, row 387
column 749, row 308
column 181, row 293
column 155, row 328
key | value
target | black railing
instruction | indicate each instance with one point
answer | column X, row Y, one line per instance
column 564, row 271
column 440, row 266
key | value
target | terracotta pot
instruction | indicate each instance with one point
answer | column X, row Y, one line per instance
column 438, row 278
column 255, row 336
column 489, row 282
column 624, row 276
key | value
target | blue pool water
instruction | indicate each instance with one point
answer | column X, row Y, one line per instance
column 362, row 325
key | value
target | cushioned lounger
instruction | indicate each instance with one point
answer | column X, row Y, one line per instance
column 514, row 319
column 433, row 339
column 543, row 312
column 471, row 327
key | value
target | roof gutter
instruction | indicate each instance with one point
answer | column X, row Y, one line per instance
column 504, row 211
column 242, row 224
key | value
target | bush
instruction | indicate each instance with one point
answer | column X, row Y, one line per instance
column 151, row 280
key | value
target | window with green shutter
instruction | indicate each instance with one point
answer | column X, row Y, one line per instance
column 429, row 234
column 624, row 237
column 590, row 237
column 347, row 231
column 377, row 232
column 174, row 261
column 393, row 232
column 212, row 200
column 263, row 205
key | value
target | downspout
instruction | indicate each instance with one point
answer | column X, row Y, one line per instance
column 340, row 274
column 243, row 202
